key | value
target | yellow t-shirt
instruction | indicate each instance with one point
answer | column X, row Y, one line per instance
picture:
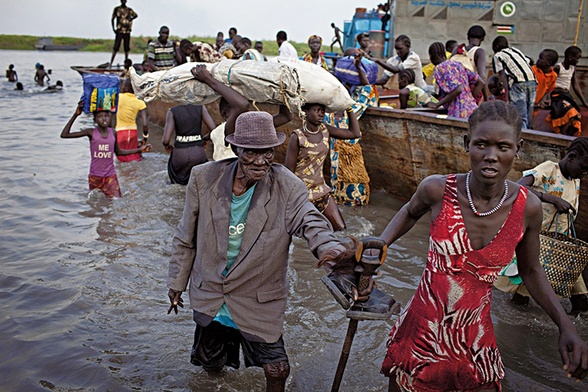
column 128, row 107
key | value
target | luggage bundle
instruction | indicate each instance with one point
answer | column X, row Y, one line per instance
column 292, row 83
column 100, row 92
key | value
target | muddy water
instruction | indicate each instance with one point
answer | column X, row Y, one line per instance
column 82, row 278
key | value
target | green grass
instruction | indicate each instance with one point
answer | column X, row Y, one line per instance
column 138, row 44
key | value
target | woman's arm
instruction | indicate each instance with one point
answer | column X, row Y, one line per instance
column 362, row 77
column 143, row 116
column 403, row 96
column 169, row 129
column 450, row 97
column 292, row 153
column 504, row 80
column 208, row 121
column 66, row 132
column 341, row 133
column 480, row 61
column 283, row 116
column 478, row 87
column 239, row 104
column 429, row 192
column 572, row 349
column 392, row 68
column 578, row 90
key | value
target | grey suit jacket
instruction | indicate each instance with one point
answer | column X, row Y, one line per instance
column 255, row 288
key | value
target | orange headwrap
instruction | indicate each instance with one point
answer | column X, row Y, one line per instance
column 313, row 37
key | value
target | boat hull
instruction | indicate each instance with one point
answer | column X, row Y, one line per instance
column 401, row 148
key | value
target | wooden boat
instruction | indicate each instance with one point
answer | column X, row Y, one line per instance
column 402, row 147
column 102, row 69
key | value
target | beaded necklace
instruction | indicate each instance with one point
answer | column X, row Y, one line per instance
column 320, row 128
column 471, row 202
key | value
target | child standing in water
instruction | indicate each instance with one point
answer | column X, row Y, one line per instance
column 103, row 146
column 11, row 74
column 307, row 150
column 565, row 112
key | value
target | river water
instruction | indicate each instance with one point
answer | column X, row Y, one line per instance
column 83, row 279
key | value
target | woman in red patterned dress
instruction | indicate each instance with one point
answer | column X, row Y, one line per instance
column 444, row 339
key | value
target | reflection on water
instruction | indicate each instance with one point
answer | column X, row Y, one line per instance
column 83, row 278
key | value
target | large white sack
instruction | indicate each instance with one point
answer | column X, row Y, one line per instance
column 174, row 85
column 318, row 85
column 262, row 82
column 292, row 83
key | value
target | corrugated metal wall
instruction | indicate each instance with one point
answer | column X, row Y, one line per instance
column 538, row 24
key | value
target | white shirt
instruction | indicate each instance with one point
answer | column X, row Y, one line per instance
column 413, row 61
column 287, row 51
column 220, row 151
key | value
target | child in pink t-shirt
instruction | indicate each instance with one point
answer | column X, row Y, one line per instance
column 103, row 146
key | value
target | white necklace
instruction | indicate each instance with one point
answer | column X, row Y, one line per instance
column 471, row 202
column 309, row 131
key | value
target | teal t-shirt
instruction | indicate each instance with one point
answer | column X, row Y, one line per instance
column 239, row 211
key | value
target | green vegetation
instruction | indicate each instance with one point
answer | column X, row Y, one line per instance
column 138, row 44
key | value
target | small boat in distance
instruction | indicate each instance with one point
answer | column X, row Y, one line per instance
column 46, row 43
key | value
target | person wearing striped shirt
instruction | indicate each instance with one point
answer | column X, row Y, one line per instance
column 161, row 53
column 518, row 79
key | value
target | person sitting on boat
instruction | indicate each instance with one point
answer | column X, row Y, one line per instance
column 410, row 95
column 557, row 185
column 565, row 115
column 161, row 52
column 454, row 81
column 259, row 47
column 41, row 74
column 314, row 56
column 11, row 74
column 249, row 53
column 307, row 150
column 405, row 59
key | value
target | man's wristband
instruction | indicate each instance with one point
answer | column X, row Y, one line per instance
column 541, row 196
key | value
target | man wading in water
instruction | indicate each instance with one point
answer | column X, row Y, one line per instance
column 232, row 245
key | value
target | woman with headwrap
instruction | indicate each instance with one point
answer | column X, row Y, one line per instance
column 314, row 56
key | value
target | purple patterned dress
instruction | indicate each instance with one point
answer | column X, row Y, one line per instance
column 449, row 75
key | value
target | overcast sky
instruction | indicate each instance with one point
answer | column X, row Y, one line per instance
column 256, row 19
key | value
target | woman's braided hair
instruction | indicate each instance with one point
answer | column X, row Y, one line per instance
column 580, row 146
column 496, row 111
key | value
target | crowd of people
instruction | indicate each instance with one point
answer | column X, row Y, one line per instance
column 231, row 247
column 40, row 77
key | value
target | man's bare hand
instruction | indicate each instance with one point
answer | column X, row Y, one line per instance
column 175, row 298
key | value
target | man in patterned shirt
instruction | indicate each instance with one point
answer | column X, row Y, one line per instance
column 124, row 22
column 161, row 52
